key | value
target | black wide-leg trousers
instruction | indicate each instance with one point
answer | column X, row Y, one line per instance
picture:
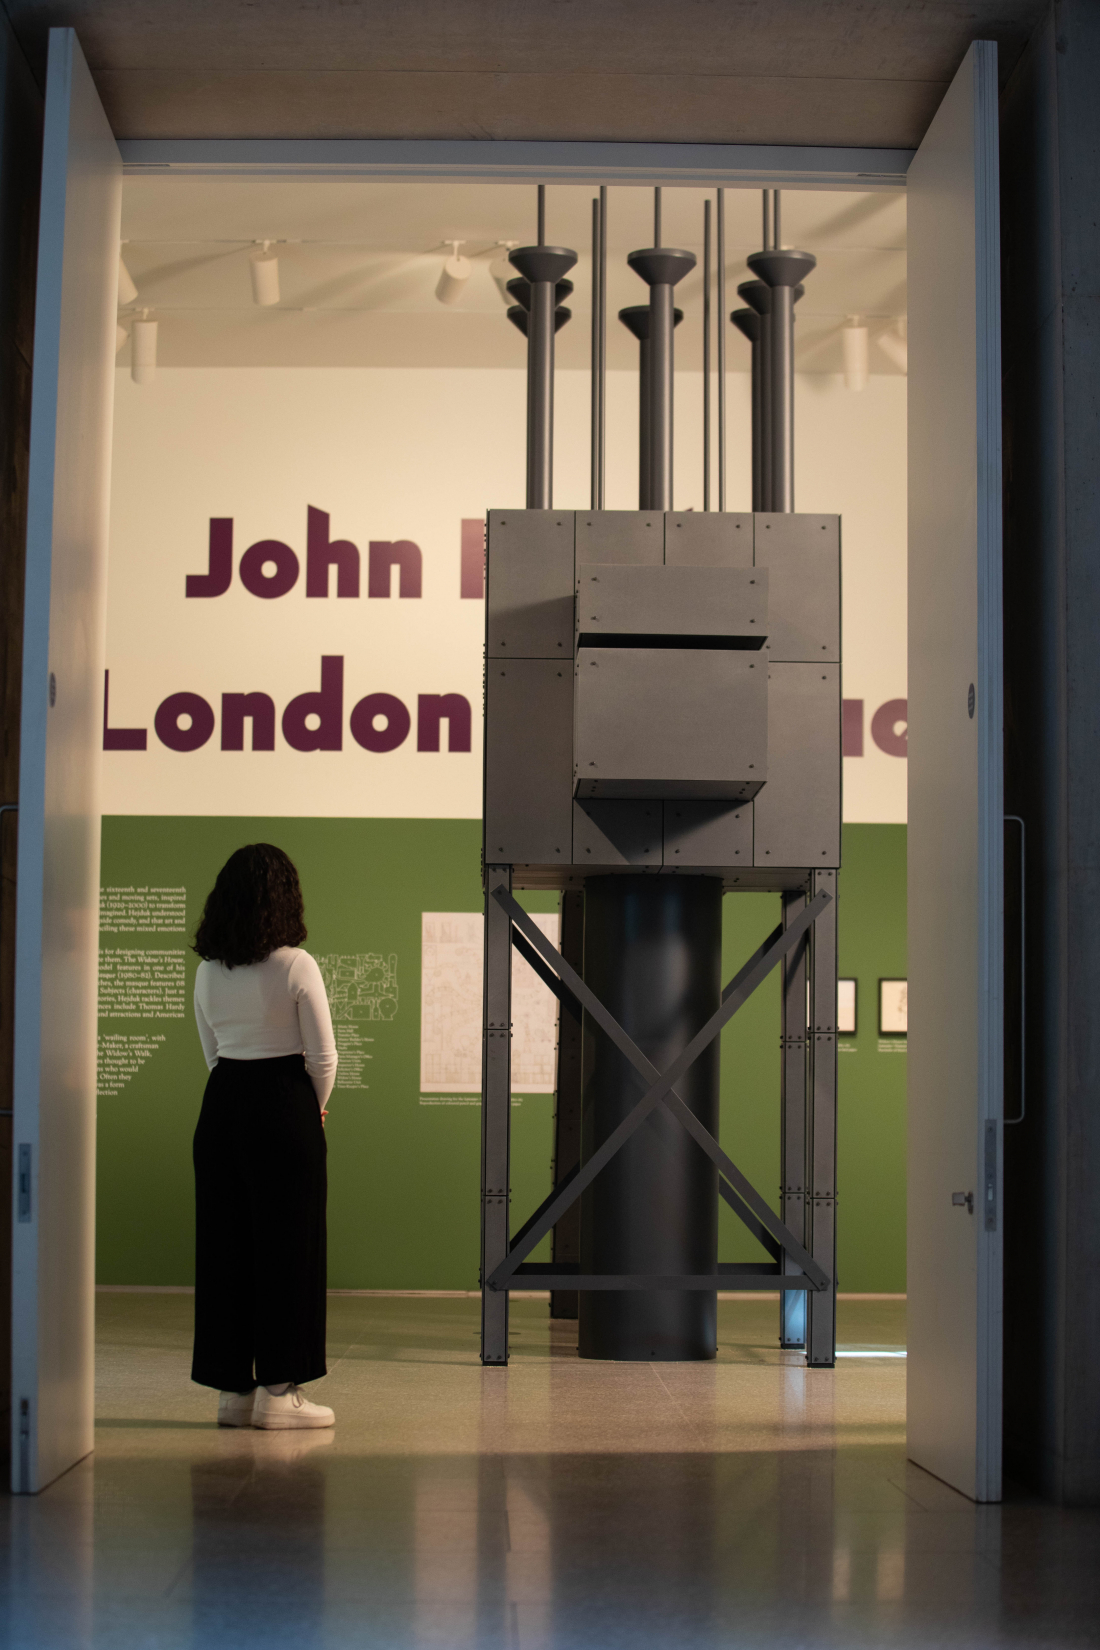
column 260, row 1251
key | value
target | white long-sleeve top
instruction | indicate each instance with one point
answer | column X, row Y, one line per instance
column 260, row 1011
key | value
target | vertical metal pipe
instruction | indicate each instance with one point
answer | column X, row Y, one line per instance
column 660, row 396
column 706, row 355
column 657, row 217
column 748, row 323
column 540, row 397
column 544, row 268
column 782, row 271
column 766, row 231
column 776, row 232
column 758, row 296
column 782, row 398
column 721, row 349
column 603, row 345
column 594, row 368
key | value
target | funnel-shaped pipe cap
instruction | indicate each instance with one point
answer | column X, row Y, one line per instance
column 636, row 320
column 519, row 317
column 661, row 265
column 747, row 322
column 520, row 290
column 783, row 266
column 542, row 263
column 758, row 296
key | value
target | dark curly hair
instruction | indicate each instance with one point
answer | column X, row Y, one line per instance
column 254, row 907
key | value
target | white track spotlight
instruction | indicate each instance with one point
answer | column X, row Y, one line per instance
column 453, row 276
column 265, row 276
column 127, row 291
column 502, row 272
column 143, row 356
column 853, row 337
column 894, row 344
column 121, row 336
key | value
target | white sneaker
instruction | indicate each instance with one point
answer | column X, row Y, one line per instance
column 288, row 1409
column 235, row 1409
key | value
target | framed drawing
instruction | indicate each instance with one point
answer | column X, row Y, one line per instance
column 846, row 1008
column 893, row 1008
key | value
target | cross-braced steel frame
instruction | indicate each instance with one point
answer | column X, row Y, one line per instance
column 801, row 1244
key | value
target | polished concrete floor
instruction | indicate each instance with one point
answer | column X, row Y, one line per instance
column 579, row 1506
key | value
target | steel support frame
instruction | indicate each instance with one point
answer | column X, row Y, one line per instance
column 496, row 1110
column 794, row 1099
column 821, row 1142
column 794, row 1271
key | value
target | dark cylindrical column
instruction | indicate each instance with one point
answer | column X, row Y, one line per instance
column 636, row 320
column 747, row 323
column 661, row 268
column 652, row 954
column 781, row 270
column 758, row 296
column 543, row 267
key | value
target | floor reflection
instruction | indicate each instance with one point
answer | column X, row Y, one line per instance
column 555, row 1505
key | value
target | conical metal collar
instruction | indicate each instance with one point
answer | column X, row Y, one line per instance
column 636, row 320
column 661, row 265
column 781, row 267
column 542, row 263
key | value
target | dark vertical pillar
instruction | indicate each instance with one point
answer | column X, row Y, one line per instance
column 543, row 267
column 565, row 1244
column 794, row 1098
column 821, row 1144
column 661, row 268
column 1050, row 158
column 652, row 954
column 20, row 167
column 782, row 270
column 496, row 1112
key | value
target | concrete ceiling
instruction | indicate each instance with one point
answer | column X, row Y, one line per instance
column 832, row 72
column 359, row 262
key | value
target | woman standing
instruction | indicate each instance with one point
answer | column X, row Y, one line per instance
column 260, row 1177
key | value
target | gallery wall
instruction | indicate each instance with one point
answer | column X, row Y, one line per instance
column 294, row 655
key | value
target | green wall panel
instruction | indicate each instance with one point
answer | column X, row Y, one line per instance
column 403, row 1200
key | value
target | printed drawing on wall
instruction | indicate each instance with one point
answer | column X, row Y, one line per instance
column 450, row 1009
column 360, row 985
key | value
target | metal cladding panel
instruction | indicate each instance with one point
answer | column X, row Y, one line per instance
column 670, row 722
column 707, row 538
column 616, row 833
column 797, row 814
column 707, row 833
column 528, row 761
column 802, row 556
column 529, row 586
column 715, row 602
column 636, row 537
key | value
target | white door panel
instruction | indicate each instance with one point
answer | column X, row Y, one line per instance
column 955, row 789
column 57, row 912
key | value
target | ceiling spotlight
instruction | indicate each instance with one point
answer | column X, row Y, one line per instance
column 127, row 291
column 853, row 337
column 894, row 344
column 453, row 276
column 502, row 272
column 143, row 356
column 265, row 275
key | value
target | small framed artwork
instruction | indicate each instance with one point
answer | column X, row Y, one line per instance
column 893, row 1008
column 846, row 1008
